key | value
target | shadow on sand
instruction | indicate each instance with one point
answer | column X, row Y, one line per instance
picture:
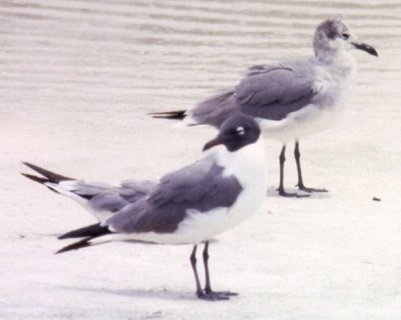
column 159, row 293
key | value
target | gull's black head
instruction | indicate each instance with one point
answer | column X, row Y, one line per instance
column 333, row 35
column 236, row 132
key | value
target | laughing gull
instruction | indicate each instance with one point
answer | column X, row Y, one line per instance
column 290, row 99
column 190, row 205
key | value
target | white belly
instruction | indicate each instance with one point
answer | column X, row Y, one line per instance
column 249, row 167
column 307, row 121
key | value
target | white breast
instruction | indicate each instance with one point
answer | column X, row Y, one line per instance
column 249, row 167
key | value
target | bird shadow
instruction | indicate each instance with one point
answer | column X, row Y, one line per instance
column 273, row 193
column 137, row 293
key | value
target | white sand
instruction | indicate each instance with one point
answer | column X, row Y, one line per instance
column 334, row 256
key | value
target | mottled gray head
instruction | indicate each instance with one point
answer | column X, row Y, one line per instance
column 333, row 35
column 236, row 132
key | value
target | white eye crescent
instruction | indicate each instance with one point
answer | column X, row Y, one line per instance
column 240, row 131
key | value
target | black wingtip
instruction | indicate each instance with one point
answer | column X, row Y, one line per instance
column 76, row 245
column 173, row 115
column 35, row 178
column 94, row 230
column 51, row 176
column 89, row 232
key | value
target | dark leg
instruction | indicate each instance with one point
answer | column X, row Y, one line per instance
column 206, row 264
column 280, row 189
column 199, row 291
column 300, row 184
column 208, row 290
column 282, row 160
column 203, row 294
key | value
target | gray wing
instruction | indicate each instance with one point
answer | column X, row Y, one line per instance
column 214, row 110
column 273, row 91
column 104, row 197
column 267, row 91
column 200, row 187
column 133, row 190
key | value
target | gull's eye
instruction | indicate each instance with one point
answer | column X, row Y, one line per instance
column 240, row 131
column 345, row 35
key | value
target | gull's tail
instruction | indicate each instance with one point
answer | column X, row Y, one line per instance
column 73, row 188
column 60, row 184
column 173, row 115
column 212, row 111
column 46, row 175
column 101, row 199
column 88, row 233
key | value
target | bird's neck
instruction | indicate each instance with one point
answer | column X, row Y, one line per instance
column 341, row 70
column 341, row 60
column 248, row 164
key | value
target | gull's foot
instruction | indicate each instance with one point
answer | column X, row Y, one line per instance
column 291, row 195
column 310, row 190
column 210, row 295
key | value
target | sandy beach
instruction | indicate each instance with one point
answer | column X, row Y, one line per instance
column 79, row 77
